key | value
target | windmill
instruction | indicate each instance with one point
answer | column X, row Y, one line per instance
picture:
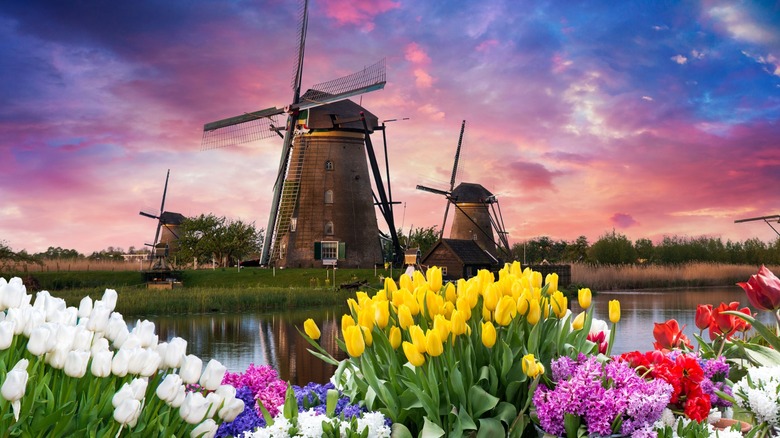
column 322, row 166
column 167, row 223
column 477, row 212
column 768, row 219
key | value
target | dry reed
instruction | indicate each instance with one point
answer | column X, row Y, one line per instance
column 75, row 265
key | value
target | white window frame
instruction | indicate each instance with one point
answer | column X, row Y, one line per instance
column 329, row 251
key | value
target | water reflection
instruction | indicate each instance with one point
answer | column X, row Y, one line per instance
column 237, row 340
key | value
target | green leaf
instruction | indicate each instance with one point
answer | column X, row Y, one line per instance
column 465, row 420
column 769, row 335
column 489, row 427
column 431, row 430
column 398, row 430
column 506, row 413
column 481, row 401
column 760, row 355
column 269, row 420
column 571, row 423
column 456, row 383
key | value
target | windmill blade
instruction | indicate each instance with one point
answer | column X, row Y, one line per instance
column 149, row 215
column 371, row 78
column 248, row 127
column 165, row 191
column 432, row 190
column 157, row 233
column 452, row 178
column 304, row 20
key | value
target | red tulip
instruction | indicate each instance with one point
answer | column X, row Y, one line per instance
column 723, row 324
column 763, row 290
column 669, row 335
column 599, row 339
column 703, row 316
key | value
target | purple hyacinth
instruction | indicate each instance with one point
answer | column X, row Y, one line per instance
column 248, row 420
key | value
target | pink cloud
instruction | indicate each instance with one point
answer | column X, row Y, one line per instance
column 356, row 12
column 416, row 54
column 623, row 220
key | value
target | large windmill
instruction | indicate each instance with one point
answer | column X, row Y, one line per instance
column 323, row 203
column 166, row 236
column 477, row 212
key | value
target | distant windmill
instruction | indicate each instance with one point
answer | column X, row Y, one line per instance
column 478, row 214
column 168, row 223
column 323, row 203
column 773, row 218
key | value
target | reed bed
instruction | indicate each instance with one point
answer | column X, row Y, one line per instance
column 611, row 277
column 79, row 265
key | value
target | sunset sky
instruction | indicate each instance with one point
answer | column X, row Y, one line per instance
column 649, row 118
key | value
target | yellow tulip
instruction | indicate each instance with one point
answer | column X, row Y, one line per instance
column 451, row 293
column 353, row 338
column 559, row 304
column 395, row 337
column 462, row 304
column 583, row 296
column 390, row 286
column 458, row 322
column 544, row 303
column 506, row 310
column 418, row 337
column 535, row 278
column 488, row 334
column 486, row 315
column 411, row 302
column 406, row 282
column 448, row 308
column 346, row 321
column 443, row 326
column 413, row 355
column 398, row 297
column 433, row 275
column 579, row 321
column 522, row 302
column 516, row 269
column 534, row 312
column 367, row 337
column 405, row 318
column 353, row 305
column 311, row 329
column 434, row 302
column 367, row 316
column 491, row 296
column 472, row 294
column 433, row 344
column 381, row 295
column 614, row 311
column 362, row 297
column 529, row 365
column 552, row 280
column 382, row 313
column 418, row 279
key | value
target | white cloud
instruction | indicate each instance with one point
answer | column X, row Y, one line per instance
column 680, row 59
column 647, row 98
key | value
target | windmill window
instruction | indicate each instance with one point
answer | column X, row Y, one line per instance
column 330, row 250
column 329, row 196
column 329, row 165
column 293, row 224
column 329, row 228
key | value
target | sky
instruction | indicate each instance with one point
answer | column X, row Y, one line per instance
column 651, row 119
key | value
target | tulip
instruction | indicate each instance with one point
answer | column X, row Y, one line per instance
column 346, row 321
column 231, row 409
column 190, row 370
column 152, row 363
column 11, row 295
column 311, row 329
column 534, row 311
column 98, row 319
column 174, row 353
column 367, row 337
column 82, row 338
column 109, row 299
column 405, row 318
column 578, row 322
column 703, row 316
column 505, row 310
column 458, row 323
column 488, row 334
column 15, row 385
column 418, row 279
column 119, row 363
column 491, row 296
column 405, row 282
column 206, row 429
column 213, row 375
column 552, row 281
column 37, row 345
column 179, row 399
column 125, row 393
column 138, row 386
column 194, row 408
column 85, row 307
column 353, row 338
column 214, row 399
column 76, row 363
column 669, row 336
column 127, row 412
column 395, row 337
column 434, row 302
column 434, row 278
column 559, row 303
column 382, row 315
column 522, row 302
column 417, row 335
column 530, row 367
column 450, row 293
column 433, row 344
column 138, row 357
column 115, row 326
column 583, row 297
column 413, row 355
column 390, row 286
column 763, row 290
column 614, row 311
column 7, row 328
column 101, row 363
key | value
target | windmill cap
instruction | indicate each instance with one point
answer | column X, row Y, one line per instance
column 470, row 192
column 323, row 117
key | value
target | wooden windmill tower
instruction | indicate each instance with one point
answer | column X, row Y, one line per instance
column 477, row 212
column 167, row 235
column 322, row 211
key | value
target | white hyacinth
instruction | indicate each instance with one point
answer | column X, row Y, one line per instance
column 759, row 392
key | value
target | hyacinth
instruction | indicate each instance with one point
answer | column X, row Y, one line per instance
column 315, row 396
column 247, row 420
column 265, row 384
column 598, row 393
column 759, row 393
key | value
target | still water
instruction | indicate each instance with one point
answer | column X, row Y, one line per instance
column 237, row 340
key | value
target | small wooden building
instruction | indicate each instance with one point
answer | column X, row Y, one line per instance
column 459, row 258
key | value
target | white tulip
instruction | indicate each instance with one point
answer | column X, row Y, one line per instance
column 109, row 299
column 124, row 393
column 227, row 391
column 64, row 336
column 145, row 332
column 136, row 359
column 54, row 308
column 35, row 318
column 15, row 385
column 10, row 296
column 82, row 339
column 37, row 345
column 194, row 408
column 121, row 338
column 7, row 328
column 99, row 344
column 98, row 319
column 174, row 354
column 40, row 300
column 26, row 300
column 139, row 386
column 152, row 363
column 116, row 325
column 190, row 370
column 85, row 307
column 119, row 363
column 161, row 349
column 213, row 375
column 101, row 363
column 76, row 363
column 21, row 317
column 71, row 316
column 231, row 409
column 132, row 341
column 169, row 387
column 128, row 412
column 206, row 429
column 215, row 403
column 177, row 401
column 56, row 358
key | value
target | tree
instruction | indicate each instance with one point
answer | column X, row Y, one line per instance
column 7, row 255
column 612, row 248
column 644, row 250
column 208, row 238
column 422, row 238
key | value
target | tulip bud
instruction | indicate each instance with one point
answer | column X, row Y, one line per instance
column 417, row 336
column 213, row 375
column 215, row 402
column 85, row 307
column 15, row 385
column 433, row 344
column 579, row 321
column 125, row 393
column 413, row 355
column 505, row 310
column 37, row 345
column 450, row 293
column 169, row 387
column 614, row 311
column 191, row 368
column 76, row 363
column 56, row 358
column 109, row 299
column 127, row 412
column 232, row 408
column 559, row 303
column 206, row 429
column 703, row 317
column 530, row 366
column 434, row 278
column 353, row 338
column 488, row 334
column 311, row 329
column 119, row 363
column 382, row 309
column 145, row 332
column 174, row 353
column 101, row 363
column 193, row 409
column 152, row 363
column 82, row 338
column 346, row 321
column 390, row 286
column 139, row 385
column 395, row 337
column 584, row 297
column 405, row 319
column 534, row 311
column 7, row 328
column 458, row 323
